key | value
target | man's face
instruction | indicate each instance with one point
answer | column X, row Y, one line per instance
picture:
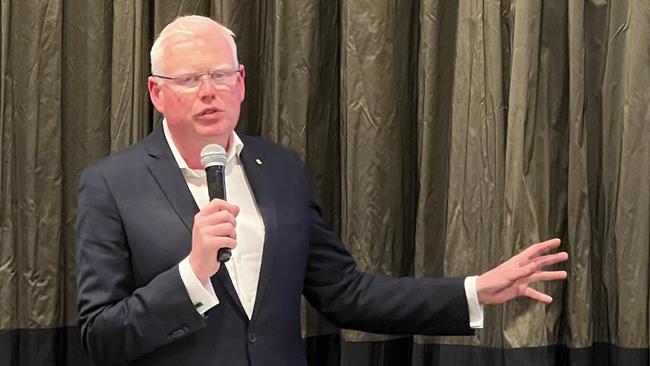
column 207, row 112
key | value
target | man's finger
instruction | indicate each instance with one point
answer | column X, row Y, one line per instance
column 222, row 242
column 536, row 295
column 219, row 217
column 521, row 272
column 217, row 205
column 224, row 229
column 547, row 260
column 548, row 276
column 536, row 250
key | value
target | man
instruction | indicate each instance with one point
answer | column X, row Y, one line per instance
column 151, row 291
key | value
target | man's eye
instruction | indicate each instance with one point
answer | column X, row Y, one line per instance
column 218, row 75
column 189, row 79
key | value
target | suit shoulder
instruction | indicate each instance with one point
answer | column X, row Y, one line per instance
column 265, row 146
column 131, row 157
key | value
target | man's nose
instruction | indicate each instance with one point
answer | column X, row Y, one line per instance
column 207, row 89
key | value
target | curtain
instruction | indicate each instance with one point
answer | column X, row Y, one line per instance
column 441, row 136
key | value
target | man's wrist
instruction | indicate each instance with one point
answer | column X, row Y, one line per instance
column 201, row 293
column 475, row 309
column 203, row 277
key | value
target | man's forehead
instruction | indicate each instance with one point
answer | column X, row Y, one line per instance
column 196, row 39
column 195, row 47
column 199, row 44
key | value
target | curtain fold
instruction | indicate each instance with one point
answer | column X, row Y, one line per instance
column 441, row 137
column 31, row 167
column 625, row 174
column 580, row 188
column 377, row 148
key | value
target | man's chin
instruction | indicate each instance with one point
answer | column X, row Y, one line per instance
column 213, row 131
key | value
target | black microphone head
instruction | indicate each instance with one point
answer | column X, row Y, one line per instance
column 213, row 154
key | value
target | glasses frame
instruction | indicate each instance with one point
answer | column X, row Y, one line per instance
column 202, row 76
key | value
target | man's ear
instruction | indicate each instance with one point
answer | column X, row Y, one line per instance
column 155, row 93
column 242, row 84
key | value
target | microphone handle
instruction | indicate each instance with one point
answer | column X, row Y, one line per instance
column 217, row 189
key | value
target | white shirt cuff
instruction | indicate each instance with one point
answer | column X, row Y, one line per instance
column 475, row 309
column 201, row 294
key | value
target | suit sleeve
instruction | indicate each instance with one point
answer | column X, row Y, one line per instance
column 118, row 321
column 353, row 299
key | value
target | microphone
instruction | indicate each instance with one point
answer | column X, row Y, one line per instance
column 213, row 160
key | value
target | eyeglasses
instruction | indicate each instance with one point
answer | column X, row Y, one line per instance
column 192, row 81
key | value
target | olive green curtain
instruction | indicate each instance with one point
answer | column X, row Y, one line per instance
column 441, row 136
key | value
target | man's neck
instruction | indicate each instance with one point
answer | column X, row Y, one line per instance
column 190, row 149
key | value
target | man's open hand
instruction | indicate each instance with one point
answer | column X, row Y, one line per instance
column 512, row 278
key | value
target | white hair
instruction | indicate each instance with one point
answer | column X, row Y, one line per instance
column 183, row 28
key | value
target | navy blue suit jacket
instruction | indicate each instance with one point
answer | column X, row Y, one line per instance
column 135, row 217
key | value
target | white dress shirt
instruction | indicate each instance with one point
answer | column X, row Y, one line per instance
column 244, row 265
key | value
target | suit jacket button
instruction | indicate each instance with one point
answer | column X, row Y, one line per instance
column 180, row 332
column 251, row 337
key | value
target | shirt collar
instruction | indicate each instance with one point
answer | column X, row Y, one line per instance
column 235, row 147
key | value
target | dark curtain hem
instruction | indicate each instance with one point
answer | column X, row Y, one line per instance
column 61, row 346
column 405, row 352
column 42, row 347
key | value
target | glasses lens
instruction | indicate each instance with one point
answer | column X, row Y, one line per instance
column 189, row 81
column 223, row 77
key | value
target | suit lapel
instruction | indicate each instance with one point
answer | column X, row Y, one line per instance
column 261, row 186
column 169, row 178
column 222, row 280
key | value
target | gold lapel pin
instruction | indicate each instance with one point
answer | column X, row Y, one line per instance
column 258, row 161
